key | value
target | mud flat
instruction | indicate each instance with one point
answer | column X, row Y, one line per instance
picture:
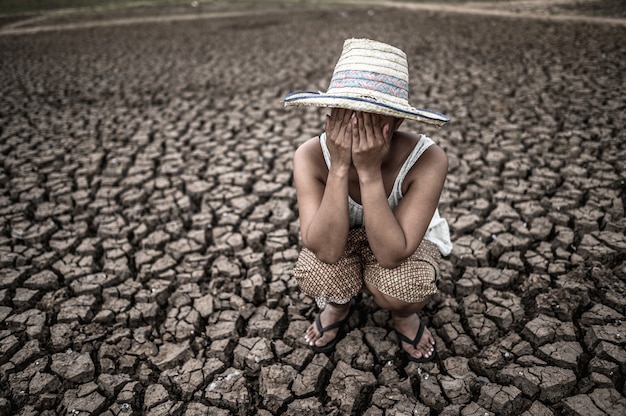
column 148, row 220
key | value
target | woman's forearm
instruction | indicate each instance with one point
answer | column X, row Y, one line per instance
column 327, row 233
column 385, row 235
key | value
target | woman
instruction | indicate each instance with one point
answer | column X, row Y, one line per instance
column 367, row 199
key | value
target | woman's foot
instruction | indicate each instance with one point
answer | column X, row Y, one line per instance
column 332, row 314
column 424, row 348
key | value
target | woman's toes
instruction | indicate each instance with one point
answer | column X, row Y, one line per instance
column 323, row 340
column 310, row 336
column 428, row 350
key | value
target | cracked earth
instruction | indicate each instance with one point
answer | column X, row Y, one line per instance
column 148, row 220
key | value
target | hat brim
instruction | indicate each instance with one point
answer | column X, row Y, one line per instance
column 319, row 99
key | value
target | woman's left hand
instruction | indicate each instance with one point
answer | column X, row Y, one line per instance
column 370, row 142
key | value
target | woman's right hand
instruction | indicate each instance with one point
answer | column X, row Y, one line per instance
column 339, row 137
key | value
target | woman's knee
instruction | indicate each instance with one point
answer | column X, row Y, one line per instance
column 395, row 305
column 400, row 307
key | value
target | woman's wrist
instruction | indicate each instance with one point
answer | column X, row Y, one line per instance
column 339, row 170
column 369, row 177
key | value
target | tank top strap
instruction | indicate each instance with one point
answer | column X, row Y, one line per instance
column 421, row 146
column 325, row 149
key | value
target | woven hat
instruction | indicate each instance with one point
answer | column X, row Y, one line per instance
column 370, row 76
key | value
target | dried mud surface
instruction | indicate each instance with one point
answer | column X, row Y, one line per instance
column 148, row 220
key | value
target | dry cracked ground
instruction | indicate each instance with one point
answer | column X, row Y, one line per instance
column 148, row 220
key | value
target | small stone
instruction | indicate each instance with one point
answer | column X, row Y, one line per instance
column 155, row 394
column 562, row 354
column 267, row 323
column 456, row 390
column 45, row 280
column 552, row 383
column 92, row 403
column 171, row 355
column 313, row 378
column 73, row 366
column 44, row 383
column 252, row 353
column 350, row 387
column 274, row 385
column 502, row 400
column 229, row 389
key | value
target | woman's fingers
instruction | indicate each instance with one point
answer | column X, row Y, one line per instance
column 339, row 136
column 344, row 115
column 354, row 130
column 371, row 141
column 363, row 141
column 336, row 122
column 342, row 119
column 377, row 128
column 385, row 131
column 370, row 130
column 368, row 120
column 361, row 131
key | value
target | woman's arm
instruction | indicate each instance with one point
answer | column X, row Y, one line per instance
column 323, row 194
column 394, row 235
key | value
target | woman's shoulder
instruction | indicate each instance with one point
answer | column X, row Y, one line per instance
column 411, row 139
column 431, row 155
column 309, row 152
column 408, row 140
column 309, row 147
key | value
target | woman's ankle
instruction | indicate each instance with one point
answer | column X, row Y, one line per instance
column 338, row 308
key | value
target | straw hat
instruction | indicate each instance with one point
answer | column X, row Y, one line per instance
column 370, row 76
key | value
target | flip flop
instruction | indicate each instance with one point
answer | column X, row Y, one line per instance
column 414, row 342
column 340, row 334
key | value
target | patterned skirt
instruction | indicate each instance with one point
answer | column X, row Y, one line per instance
column 413, row 281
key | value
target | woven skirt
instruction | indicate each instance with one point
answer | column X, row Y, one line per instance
column 413, row 281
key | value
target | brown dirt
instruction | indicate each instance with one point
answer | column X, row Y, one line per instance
column 148, row 220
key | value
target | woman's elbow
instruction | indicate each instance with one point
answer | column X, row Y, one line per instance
column 389, row 264
column 328, row 255
column 328, row 258
column 324, row 255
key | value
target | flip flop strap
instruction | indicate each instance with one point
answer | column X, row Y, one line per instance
column 418, row 336
column 334, row 325
column 338, row 324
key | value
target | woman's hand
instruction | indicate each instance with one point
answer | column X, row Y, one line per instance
column 339, row 134
column 371, row 138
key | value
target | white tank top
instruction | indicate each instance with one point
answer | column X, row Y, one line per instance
column 438, row 231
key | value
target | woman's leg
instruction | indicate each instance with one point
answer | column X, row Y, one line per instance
column 332, row 313
column 406, row 321
column 338, row 281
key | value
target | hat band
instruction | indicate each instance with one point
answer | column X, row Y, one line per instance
column 373, row 81
column 324, row 100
